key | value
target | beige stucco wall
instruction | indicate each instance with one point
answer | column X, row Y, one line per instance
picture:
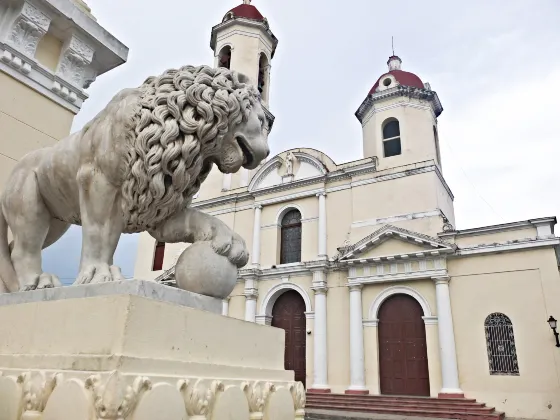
column 525, row 286
column 48, row 51
column 416, row 122
column 28, row 121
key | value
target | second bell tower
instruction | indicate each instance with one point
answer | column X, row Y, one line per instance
column 244, row 42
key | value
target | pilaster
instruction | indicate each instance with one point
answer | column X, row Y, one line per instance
column 448, row 352
column 255, row 257
column 322, row 229
column 357, row 359
column 251, row 294
column 320, row 356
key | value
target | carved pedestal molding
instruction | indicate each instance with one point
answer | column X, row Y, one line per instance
column 73, row 67
column 320, row 370
column 30, row 25
column 448, row 352
column 200, row 397
column 299, row 396
column 114, row 399
column 251, row 295
column 37, row 387
column 116, row 396
column 357, row 360
column 257, row 394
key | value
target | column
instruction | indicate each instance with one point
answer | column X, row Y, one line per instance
column 357, row 364
column 448, row 353
column 320, row 370
column 226, row 182
column 244, row 177
column 255, row 257
column 225, row 307
column 251, row 295
column 322, row 239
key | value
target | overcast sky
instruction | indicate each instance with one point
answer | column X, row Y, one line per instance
column 494, row 64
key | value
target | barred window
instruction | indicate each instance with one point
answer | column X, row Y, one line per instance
column 290, row 250
column 500, row 342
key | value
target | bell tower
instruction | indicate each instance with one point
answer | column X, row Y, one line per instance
column 399, row 119
column 244, row 42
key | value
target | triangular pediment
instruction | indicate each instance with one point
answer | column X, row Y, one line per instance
column 391, row 242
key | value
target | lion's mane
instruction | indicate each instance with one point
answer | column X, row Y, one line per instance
column 177, row 130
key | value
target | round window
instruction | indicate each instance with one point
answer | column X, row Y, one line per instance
column 387, row 81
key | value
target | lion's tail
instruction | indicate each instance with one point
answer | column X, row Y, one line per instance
column 8, row 278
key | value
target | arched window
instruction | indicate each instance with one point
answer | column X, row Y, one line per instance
column 290, row 247
column 263, row 76
column 158, row 256
column 224, row 58
column 436, row 139
column 500, row 343
column 391, row 138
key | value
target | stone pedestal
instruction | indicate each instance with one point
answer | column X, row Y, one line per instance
column 138, row 350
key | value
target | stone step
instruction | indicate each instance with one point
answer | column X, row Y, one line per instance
column 410, row 411
column 371, row 400
column 395, row 398
column 468, row 408
column 313, row 414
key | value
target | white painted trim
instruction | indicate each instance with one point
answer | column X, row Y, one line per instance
column 285, row 209
column 430, row 320
column 370, row 323
column 264, row 171
column 395, row 290
column 397, row 218
column 499, row 228
column 508, row 247
column 373, row 110
column 274, row 293
column 290, row 197
column 312, row 160
column 43, row 84
column 386, row 278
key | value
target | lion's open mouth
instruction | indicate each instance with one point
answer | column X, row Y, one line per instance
column 248, row 157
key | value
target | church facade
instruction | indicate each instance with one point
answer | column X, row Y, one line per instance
column 362, row 264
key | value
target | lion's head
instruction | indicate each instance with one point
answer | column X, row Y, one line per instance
column 189, row 119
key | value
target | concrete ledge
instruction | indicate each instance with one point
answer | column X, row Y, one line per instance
column 141, row 288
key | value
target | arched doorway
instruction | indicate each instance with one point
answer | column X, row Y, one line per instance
column 288, row 313
column 403, row 358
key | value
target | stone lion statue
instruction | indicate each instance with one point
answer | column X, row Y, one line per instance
column 135, row 167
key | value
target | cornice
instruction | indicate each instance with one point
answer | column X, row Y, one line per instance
column 484, row 230
column 516, row 245
column 258, row 24
column 406, row 91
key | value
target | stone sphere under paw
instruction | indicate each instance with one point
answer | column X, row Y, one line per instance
column 200, row 270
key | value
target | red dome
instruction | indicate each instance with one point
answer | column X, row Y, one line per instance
column 247, row 11
column 405, row 78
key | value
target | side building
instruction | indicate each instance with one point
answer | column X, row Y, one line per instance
column 50, row 53
column 363, row 266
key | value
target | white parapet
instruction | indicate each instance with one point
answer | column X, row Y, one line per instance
column 138, row 350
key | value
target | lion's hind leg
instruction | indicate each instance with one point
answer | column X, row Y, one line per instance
column 30, row 223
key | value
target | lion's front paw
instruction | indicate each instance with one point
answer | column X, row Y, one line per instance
column 43, row 281
column 232, row 246
column 99, row 273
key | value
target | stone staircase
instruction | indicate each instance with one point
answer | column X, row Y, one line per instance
column 438, row 408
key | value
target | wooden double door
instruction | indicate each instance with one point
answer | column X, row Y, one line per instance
column 403, row 360
column 288, row 313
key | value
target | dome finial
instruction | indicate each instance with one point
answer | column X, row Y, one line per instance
column 246, row 1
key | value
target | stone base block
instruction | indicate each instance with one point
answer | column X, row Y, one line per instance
column 125, row 354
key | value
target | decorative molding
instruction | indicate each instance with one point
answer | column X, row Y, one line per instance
column 75, row 58
column 257, row 394
column 396, row 277
column 430, row 320
column 29, row 27
column 285, row 209
column 273, row 164
column 438, row 246
column 515, row 245
column 370, row 323
column 114, row 399
column 199, row 396
column 485, row 230
column 374, row 110
column 37, row 389
column 390, row 291
column 397, row 218
column 312, row 160
column 276, row 291
column 299, row 396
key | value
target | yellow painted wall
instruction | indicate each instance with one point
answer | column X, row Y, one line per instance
column 28, row 121
column 525, row 287
column 48, row 51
